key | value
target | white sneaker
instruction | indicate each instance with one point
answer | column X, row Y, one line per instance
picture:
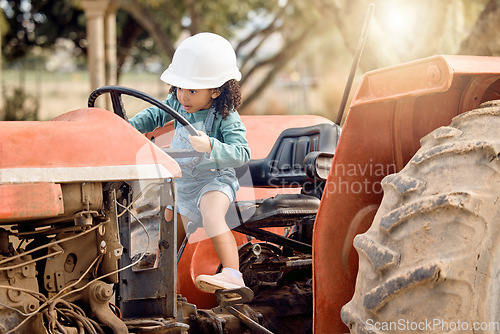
column 227, row 279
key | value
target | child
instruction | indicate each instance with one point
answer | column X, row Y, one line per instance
column 204, row 75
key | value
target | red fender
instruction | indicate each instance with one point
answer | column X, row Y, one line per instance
column 392, row 109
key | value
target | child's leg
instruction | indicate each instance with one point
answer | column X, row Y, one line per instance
column 213, row 208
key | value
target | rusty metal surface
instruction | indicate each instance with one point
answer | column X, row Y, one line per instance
column 34, row 200
column 150, row 292
column 14, row 282
column 98, row 296
column 62, row 256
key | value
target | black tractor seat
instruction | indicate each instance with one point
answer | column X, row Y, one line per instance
column 250, row 217
column 284, row 166
column 289, row 164
column 280, row 205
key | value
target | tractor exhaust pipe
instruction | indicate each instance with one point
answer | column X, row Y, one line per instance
column 355, row 62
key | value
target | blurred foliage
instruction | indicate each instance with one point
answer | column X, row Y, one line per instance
column 405, row 30
column 402, row 29
column 153, row 27
column 39, row 24
column 221, row 16
column 19, row 105
column 268, row 34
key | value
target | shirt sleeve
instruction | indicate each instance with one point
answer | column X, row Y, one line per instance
column 232, row 150
column 150, row 118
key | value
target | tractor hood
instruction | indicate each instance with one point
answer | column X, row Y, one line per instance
column 88, row 144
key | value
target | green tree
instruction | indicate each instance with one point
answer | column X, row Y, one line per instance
column 40, row 23
column 267, row 34
column 148, row 27
column 253, row 24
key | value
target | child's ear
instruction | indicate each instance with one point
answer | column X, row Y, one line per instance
column 215, row 93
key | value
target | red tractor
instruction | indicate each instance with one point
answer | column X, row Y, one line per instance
column 85, row 248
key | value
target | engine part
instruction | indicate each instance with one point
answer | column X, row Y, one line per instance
column 18, row 290
column 98, row 297
column 77, row 255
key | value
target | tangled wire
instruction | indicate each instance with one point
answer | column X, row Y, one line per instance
column 60, row 314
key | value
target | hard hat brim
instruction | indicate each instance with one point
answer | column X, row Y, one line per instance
column 198, row 83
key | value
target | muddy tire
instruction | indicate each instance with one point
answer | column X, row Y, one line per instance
column 430, row 263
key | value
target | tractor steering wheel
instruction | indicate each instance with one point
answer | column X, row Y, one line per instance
column 117, row 91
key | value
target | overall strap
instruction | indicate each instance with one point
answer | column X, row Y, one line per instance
column 209, row 121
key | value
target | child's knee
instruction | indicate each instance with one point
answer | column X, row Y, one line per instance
column 213, row 217
column 214, row 227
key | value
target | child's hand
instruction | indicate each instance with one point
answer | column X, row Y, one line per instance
column 201, row 143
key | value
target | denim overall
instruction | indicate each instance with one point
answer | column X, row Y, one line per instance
column 195, row 181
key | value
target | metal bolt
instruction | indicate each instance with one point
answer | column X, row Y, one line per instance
column 256, row 249
column 103, row 292
column 103, row 247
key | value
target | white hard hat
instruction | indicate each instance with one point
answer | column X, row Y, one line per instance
column 205, row 60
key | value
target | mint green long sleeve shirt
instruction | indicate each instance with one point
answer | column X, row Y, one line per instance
column 227, row 137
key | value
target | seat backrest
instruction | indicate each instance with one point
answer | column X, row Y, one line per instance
column 284, row 165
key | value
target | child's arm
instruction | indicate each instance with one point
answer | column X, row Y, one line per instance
column 150, row 118
column 233, row 149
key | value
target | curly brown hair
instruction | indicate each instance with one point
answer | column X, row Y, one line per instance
column 229, row 99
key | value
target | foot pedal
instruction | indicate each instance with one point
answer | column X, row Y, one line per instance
column 229, row 297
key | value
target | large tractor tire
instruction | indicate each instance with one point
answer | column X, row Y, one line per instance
column 430, row 263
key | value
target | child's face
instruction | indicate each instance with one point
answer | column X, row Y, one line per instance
column 194, row 100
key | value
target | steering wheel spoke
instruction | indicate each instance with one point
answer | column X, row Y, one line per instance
column 118, row 107
column 117, row 91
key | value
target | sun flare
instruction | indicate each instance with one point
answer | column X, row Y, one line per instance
column 399, row 19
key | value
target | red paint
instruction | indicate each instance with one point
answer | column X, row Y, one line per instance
column 32, row 200
column 82, row 138
column 393, row 108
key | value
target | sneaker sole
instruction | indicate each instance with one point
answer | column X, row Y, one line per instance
column 212, row 287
